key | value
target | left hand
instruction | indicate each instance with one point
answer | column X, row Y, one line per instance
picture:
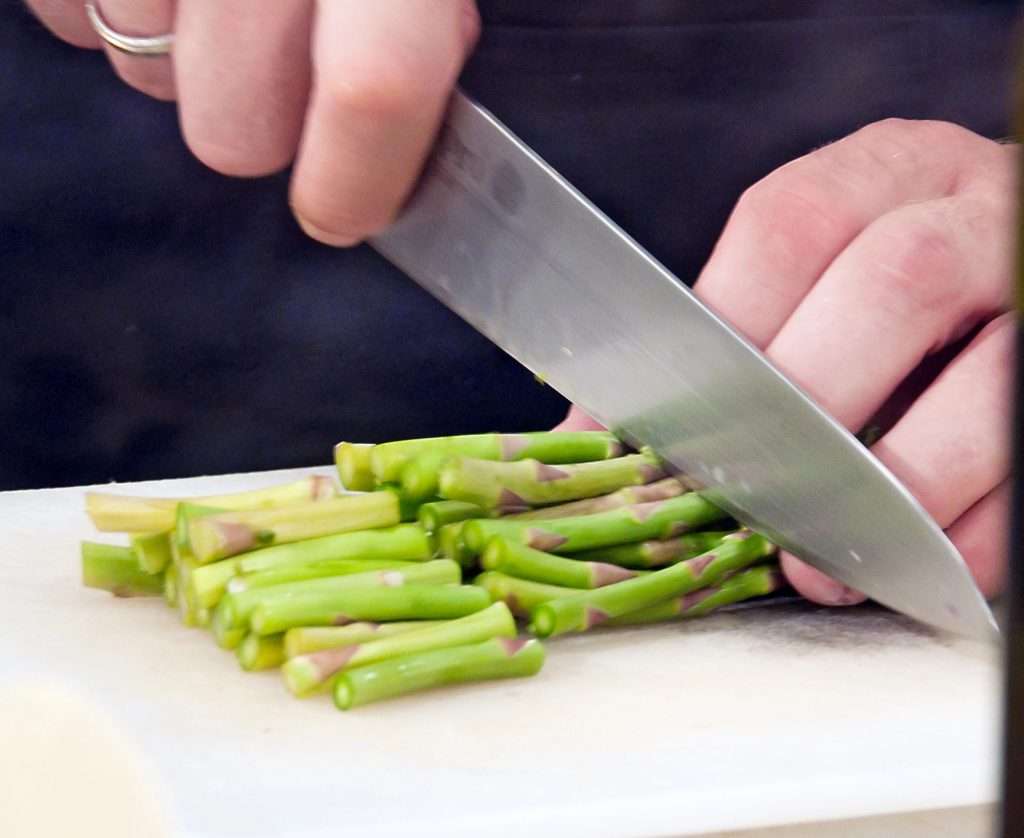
column 851, row 267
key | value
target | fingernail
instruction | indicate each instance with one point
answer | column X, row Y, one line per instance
column 324, row 237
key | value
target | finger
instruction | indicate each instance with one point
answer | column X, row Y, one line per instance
column 982, row 536
column 150, row 74
column 787, row 229
column 577, row 420
column 814, row 585
column 383, row 72
column 952, row 447
column 243, row 74
column 66, row 19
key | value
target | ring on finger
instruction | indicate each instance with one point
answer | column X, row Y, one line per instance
column 129, row 44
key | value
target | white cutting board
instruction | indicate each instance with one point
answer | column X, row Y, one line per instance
column 782, row 715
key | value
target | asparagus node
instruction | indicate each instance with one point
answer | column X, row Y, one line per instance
column 124, row 513
column 257, row 652
column 352, row 460
column 432, row 516
column 660, row 519
column 519, row 485
column 406, row 542
column 591, row 608
column 502, row 657
column 171, row 585
column 305, row 640
column 520, row 595
column 647, row 554
column 306, row 674
column 526, row 563
column 409, row 602
column 116, row 569
column 235, row 609
column 300, row 573
column 755, row 582
column 227, row 534
column 664, row 489
column 152, row 550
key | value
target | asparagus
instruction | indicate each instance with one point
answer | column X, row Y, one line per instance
column 186, row 513
column 758, row 581
column 647, row 554
column 668, row 487
column 354, row 469
column 520, row 595
column 526, row 563
column 257, row 652
column 433, row 516
column 235, row 609
column 659, row 519
column 307, row 639
column 152, row 550
column 171, row 585
column 227, row 534
column 590, row 608
column 520, row 485
column 121, row 513
column 305, row 674
column 405, row 542
column 409, row 602
column 116, row 569
column 503, row 657
column 452, row 545
column 298, row 573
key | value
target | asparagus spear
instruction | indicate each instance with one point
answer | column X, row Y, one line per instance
column 298, row 573
column 660, row 519
column 668, row 487
column 354, row 469
column 235, row 609
column 305, row 674
column 226, row 634
column 116, row 569
column 590, row 608
column 121, row 513
column 647, row 554
column 451, row 544
column 502, row 657
column 405, row 542
column 526, row 563
column 257, row 652
column 152, row 550
column 227, row 534
column 409, row 602
column 520, row 595
column 171, row 585
column 307, row 639
column 758, row 581
column 520, row 485
column 433, row 516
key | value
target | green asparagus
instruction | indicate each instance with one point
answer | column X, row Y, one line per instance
column 116, row 569
column 153, row 550
column 647, row 554
column 433, row 516
column 298, row 573
column 526, row 563
column 353, row 462
column 257, row 652
column 307, row 639
column 520, row 595
column 668, row 487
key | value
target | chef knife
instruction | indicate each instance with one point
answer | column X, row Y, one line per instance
column 507, row 243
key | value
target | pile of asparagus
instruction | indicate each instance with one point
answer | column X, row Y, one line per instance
column 413, row 577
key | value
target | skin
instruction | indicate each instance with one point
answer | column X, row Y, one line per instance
column 880, row 264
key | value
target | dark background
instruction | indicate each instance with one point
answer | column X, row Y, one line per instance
column 159, row 320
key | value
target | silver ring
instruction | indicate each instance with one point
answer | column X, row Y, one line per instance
column 152, row 45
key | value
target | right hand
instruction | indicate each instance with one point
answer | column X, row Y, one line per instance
column 352, row 92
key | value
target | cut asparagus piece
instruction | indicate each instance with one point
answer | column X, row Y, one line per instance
column 185, row 563
column 433, row 516
column 257, row 652
column 306, row 674
column 520, row 595
column 668, row 487
column 227, row 534
column 307, row 639
column 520, row 485
column 171, row 585
column 122, row 513
column 225, row 634
column 502, row 657
column 591, row 608
column 409, row 602
column 660, row 519
column 298, row 573
column 406, row 542
column 353, row 462
column 185, row 514
column 116, row 569
column 451, row 544
column 648, row 554
column 152, row 550
column 755, row 582
column 235, row 609
column 526, row 563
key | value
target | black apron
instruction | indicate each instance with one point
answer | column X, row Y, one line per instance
column 160, row 320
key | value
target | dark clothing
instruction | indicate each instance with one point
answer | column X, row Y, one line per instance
column 161, row 320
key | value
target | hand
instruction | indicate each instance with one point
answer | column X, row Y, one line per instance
column 352, row 91
column 852, row 267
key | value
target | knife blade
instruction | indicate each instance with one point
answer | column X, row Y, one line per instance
column 507, row 243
